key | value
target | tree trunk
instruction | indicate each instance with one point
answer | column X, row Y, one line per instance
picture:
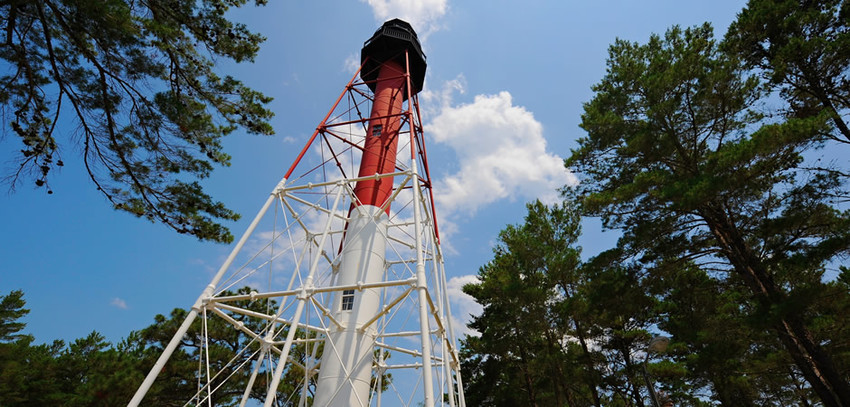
column 816, row 366
column 629, row 373
column 529, row 383
column 588, row 362
column 555, row 359
column 821, row 95
column 729, row 398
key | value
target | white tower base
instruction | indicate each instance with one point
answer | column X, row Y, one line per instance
column 345, row 376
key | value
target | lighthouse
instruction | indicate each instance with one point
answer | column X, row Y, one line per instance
column 348, row 304
column 394, row 68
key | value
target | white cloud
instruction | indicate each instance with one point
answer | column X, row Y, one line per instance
column 433, row 102
column 463, row 305
column 501, row 153
column 118, row 303
column 421, row 14
column 351, row 63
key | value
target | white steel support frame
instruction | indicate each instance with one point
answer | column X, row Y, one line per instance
column 290, row 256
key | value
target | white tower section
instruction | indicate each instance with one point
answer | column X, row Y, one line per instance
column 347, row 304
column 345, row 375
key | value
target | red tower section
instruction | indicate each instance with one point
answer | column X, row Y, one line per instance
column 387, row 57
column 379, row 151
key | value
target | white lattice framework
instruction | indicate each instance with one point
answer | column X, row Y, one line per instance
column 290, row 254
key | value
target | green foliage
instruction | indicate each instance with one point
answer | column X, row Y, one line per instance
column 12, row 309
column 801, row 49
column 620, row 312
column 677, row 157
column 520, row 357
column 91, row 372
column 729, row 222
column 27, row 374
column 228, row 349
column 716, row 345
column 136, row 82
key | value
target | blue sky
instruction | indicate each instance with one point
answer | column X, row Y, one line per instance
column 503, row 97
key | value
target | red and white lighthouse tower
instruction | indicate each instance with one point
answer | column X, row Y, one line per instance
column 348, row 264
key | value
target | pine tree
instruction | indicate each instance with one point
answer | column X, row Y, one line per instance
column 677, row 156
column 92, row 372
column 800, row 47
column 131, row 85
column 11, row 310
column 528, row 291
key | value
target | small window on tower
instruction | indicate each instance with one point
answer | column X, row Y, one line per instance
column 376, row 131
column 347, row 300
